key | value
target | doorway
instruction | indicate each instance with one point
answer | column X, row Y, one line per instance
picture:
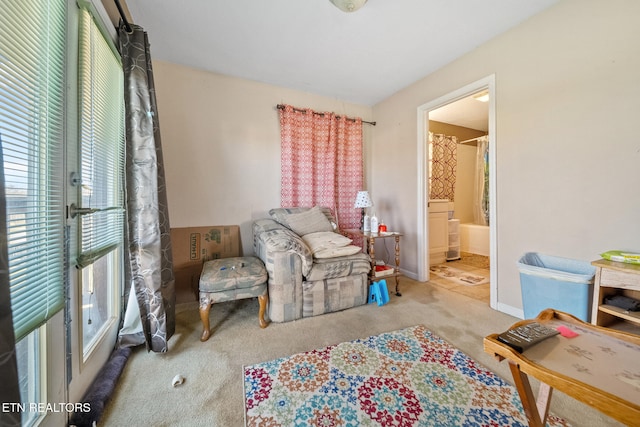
column 439, row 108
column 95, row 166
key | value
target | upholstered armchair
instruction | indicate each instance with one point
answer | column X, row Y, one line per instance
column 312, row 268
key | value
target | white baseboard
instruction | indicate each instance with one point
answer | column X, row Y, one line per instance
column 410, row 274
column 510, row 310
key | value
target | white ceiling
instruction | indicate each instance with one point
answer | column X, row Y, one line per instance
column 467, row 112
column 361, row 57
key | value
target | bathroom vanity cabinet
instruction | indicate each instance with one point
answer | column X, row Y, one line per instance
column 438, row 231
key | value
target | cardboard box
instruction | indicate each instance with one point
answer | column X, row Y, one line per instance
column 187, row 282
column 193, row 246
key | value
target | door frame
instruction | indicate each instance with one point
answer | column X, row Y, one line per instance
column 486, row 83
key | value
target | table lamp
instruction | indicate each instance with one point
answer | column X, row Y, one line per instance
column 362, row 201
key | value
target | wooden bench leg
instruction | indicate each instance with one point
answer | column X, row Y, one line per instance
column 263, row 300
column 205, row 307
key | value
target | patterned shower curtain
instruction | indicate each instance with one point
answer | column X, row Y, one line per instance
column 321, row 161
column 149, row 272
column 444, row 163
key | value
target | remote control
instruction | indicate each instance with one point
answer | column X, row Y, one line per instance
column 524, row 336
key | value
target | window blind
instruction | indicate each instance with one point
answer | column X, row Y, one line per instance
column 101, row 110
column 32, row 99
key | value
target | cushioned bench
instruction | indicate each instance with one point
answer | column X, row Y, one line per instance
column 230, row 279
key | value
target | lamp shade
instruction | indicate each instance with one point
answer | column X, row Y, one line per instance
column 363, row 200
column 348, row 5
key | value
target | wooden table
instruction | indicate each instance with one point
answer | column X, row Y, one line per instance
column 599, row 367
column 369, row 240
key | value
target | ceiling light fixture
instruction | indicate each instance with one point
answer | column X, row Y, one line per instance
column 348, row 5
column 482, row 96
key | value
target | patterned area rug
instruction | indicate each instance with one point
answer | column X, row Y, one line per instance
column 458, row 276
column 477, row 261
column 409, row 377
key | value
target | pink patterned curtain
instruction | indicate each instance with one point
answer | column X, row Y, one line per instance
column 443, row 163
column 321, row 162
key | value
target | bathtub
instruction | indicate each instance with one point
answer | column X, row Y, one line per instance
column 474, row 239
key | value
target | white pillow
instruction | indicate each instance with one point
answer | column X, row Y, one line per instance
column 336, row 252
column 324, row 240
column 310, row 221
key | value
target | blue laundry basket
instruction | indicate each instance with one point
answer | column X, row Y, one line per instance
column 559, row 283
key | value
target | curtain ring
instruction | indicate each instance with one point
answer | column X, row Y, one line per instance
column 126, row 26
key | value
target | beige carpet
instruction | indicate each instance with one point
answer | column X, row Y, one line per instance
column 212, row 393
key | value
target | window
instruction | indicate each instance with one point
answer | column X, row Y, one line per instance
column 30, row 355
column 32, row 107
column 101, row 111
column 32, row 82
column 35, row 113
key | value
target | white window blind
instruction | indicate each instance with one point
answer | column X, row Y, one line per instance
column 32, row 84
column 101, row 97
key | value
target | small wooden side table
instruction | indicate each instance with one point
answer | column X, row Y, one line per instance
column 615, row 278
column 368, row 241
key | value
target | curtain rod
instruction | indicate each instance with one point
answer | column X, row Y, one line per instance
column 281, row 107
column 124, row 18
column 472, row 139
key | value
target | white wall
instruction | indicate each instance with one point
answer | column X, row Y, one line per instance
column 221, row 145
column 568, row 150
column 567, row 141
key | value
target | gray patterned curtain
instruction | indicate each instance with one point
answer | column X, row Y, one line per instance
column 149, row 273
column 10, row 390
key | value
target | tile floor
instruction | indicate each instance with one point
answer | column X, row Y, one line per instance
column 472, row 263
